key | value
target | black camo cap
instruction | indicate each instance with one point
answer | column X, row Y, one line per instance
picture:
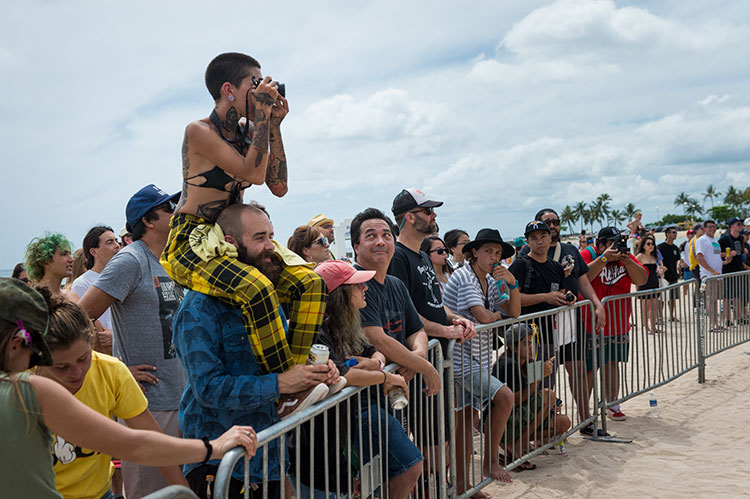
column 23, row 305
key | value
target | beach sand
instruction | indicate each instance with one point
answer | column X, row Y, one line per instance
column 699, row 446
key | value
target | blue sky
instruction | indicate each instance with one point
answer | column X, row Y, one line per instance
column 498, row 110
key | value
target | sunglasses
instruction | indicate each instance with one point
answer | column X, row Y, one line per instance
column 439, row 251
column 167, row 207
column 553, row 221
column 426, row 211
column 323, row 241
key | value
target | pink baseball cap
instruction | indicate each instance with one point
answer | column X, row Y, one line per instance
column 335, row 273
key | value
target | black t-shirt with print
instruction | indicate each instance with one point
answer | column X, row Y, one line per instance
column 389, row 307
column 416, row 272
column 736, row 244
column 670, row 254
column 542, row 278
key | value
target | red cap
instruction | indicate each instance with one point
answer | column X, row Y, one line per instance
column 335, row 273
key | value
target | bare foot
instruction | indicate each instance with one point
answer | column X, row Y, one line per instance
column 481, row 495
column 498, row 473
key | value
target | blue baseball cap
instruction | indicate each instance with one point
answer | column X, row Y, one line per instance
column 143, row 201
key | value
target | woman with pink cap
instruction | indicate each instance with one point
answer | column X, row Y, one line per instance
column 362, row 365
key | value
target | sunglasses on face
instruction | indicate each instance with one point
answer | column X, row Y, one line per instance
column 440, row 251
column 553, row 221
column 426, row 211
column 323, row 241
column 167, row 207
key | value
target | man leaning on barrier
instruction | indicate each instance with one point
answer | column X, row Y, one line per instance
column 733, row 248
column 612, row 271
column 571, row 334
column 225, row 383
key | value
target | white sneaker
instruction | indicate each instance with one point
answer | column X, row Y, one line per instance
column 337, row 386
column 291, row 403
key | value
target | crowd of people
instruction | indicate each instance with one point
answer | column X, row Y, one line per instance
column 193, row 329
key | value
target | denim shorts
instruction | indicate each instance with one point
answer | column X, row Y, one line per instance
column 402, row 453
column 476, row 390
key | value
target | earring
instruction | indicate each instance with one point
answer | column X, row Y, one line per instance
column 231, row 98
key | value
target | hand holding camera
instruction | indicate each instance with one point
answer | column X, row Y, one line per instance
column 265, row 93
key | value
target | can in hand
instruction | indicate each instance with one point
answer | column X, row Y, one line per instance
column 318, row 355
column 397, row 399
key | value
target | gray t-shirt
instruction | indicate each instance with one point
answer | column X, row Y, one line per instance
column 146, row 300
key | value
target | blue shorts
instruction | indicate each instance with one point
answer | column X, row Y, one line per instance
column 686, row 274
column 402, row 453
column 476, row 390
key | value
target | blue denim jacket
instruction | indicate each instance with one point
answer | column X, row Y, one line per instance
column 224, row 383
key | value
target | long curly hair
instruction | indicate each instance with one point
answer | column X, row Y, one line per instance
column 40, row 251
column 342, row 321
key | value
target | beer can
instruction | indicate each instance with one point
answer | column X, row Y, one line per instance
column 318, row 354
column 397, row 399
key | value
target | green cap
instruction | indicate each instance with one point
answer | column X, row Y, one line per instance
column 23, row 305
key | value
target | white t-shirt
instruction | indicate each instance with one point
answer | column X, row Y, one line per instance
column 711, row 251
column 82, row 284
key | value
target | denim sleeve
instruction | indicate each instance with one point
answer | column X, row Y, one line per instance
column 218, row 361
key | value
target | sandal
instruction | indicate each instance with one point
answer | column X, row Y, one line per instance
column 524, row 466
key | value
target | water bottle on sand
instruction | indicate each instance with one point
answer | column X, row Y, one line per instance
column 654, row 406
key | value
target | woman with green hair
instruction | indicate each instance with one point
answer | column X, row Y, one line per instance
column 49, row 261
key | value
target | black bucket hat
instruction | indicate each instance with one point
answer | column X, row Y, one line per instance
column 24, row 306
column 489, row 236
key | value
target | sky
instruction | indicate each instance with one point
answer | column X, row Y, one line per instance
column 496, row 108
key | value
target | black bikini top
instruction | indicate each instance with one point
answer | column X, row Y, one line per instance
column 216, row 177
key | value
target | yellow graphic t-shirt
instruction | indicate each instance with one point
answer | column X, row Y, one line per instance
column 110, row 390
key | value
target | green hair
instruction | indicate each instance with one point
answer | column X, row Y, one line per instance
column 40, row 251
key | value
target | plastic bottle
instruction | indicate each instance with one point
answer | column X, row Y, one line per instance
column 560, row 446
column 654, row 406
column 502, row 287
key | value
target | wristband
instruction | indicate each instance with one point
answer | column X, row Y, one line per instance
column 385, row 377
column 209, row 449
column 512, row 287
column 604, row 259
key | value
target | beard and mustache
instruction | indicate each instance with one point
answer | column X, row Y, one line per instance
column 272, row 269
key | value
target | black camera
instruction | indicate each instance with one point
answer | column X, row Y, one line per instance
column 570, row 297
column 621, row 244
column 279, row 86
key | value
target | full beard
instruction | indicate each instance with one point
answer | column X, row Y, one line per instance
column 272, row 269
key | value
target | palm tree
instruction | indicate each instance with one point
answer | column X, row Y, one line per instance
column 604, row 199
column 733, row 197
column 617, row 217
column 578, row 210
column 596, row 211
column 711, row 193
column 586, row 217
column 693, row 208
column 682, row 199
column 630, row 210
column 567, row 217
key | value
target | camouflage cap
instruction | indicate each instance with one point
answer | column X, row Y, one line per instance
column 23, row 305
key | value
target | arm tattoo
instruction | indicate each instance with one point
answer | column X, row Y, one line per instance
column 277, row 171
column 185, row 158
column 262, row 98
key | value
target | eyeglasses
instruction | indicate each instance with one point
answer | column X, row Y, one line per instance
column 426, row 211
column 439, row 251
column 323, row 241
column 554, row 221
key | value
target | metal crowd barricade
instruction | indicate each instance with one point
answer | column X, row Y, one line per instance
column 651, row 338
column 328, row 433
column 546, row 409
column 725, row 300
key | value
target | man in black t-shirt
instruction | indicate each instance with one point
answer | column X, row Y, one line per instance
column 734, row 287
column 389, row 320
column 415, row 216
column 542, row 284
column 670, row 254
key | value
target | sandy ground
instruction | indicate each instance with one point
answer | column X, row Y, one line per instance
column 698, row 447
